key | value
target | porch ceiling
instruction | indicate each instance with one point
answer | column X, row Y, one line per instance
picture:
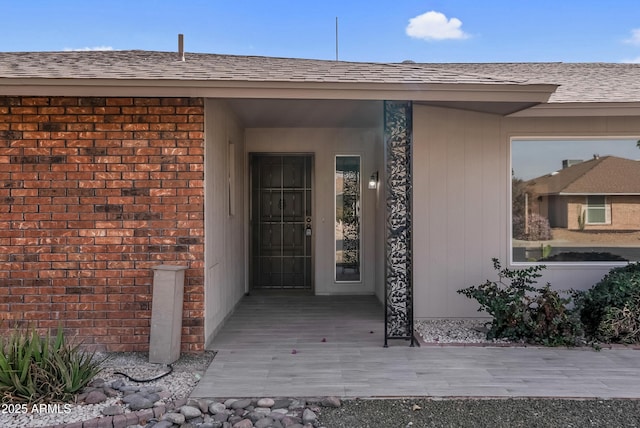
column 281, row 113
column 294, row 113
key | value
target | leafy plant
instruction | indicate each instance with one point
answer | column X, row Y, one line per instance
column 582, row 215
column 521, row 311
column 610, row 310
column 37, row 369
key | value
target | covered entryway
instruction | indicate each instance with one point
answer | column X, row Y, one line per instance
column 281, row 222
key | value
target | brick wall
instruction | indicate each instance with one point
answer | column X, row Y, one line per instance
column 93, row 193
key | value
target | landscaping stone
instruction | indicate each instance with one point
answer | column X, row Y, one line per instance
column 190, row 412
column 265, row 402
column 240, row 404
column 95, row 397
column 174, row 418
column 216, row 408
column 331, row 402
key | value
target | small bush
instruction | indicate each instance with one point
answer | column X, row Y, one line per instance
column 35, row 369
column 523, row 312
column 539, row 228
column 610, row 310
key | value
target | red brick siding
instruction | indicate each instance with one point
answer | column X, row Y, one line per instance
column 93, row 193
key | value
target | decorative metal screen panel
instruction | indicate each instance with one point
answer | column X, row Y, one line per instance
column 347, row 218
column 398, row 247
column 281, row 222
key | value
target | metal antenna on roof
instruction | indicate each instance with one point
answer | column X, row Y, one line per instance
column 336, row 38
column 181, row 46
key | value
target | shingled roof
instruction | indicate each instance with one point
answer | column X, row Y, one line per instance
column 579, row 83
column 145, row 65
column 598, row 176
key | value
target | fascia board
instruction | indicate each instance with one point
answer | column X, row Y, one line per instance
column 580, row 110
column 283, row 90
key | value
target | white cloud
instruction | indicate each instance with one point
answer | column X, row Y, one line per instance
column 435, row 26
column 635, row 37
column 95, row 48
column 632, row 61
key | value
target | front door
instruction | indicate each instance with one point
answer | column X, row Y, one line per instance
column 281, row 222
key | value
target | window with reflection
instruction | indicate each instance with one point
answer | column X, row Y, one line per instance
column 575, row 200
column 347, row 218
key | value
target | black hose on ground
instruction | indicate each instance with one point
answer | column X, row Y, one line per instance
column 146, row 380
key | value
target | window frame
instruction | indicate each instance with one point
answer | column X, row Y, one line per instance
column 359, row 213
column 608, row 205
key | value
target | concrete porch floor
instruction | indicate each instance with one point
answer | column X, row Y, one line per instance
column 256, row 358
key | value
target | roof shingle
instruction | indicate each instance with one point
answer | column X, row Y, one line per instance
column 598, row 176
column 579, row 82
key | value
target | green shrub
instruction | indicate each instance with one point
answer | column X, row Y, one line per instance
column 610, row 310
column 37, row 369
column 523, row 312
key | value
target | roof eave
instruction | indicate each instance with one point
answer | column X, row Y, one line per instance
column 415, row 91
column 575, row 109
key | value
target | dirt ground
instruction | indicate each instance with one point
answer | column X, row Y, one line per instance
column 598, row 238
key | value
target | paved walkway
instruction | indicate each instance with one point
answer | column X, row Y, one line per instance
column 307, row 346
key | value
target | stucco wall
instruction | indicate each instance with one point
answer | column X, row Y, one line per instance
column 325, row 144
column 95, row 191
column 461, row 201
column 224, row 228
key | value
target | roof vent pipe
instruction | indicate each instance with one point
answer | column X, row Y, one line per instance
column 181, row 46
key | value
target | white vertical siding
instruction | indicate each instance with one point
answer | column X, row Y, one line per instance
column 224, row 234
column 459, row 193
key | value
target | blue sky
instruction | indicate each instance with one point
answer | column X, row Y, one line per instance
column 378, row 31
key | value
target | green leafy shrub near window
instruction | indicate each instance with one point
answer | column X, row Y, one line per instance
column 522, row 311
column 610, row 310
column 36, row 369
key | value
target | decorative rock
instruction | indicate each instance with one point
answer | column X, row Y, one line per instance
column 241, row 404
column 277, row 416
column 190, row 412
column 266, row 402
column 163, row 424
column 109, row 392
column 281, row 404
column 233, row 420
column 229, row 402
column 297, row 404
column 117, row 384
column 95, row 397
column 309, row 417
column 112, row 411
column 174, row 418
column 289, row 421
column 331, row 402
column 264, row 423
column 221, row 417
column 97, row 383
column 255, row 416
column 139, row 402
column 245, row 423
column 216, row 408
column 203, row 405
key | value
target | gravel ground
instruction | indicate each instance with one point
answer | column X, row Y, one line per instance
column 187, row 371
column 475, row 413
column 465, row 330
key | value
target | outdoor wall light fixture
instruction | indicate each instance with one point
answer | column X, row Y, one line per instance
column 373, row 181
